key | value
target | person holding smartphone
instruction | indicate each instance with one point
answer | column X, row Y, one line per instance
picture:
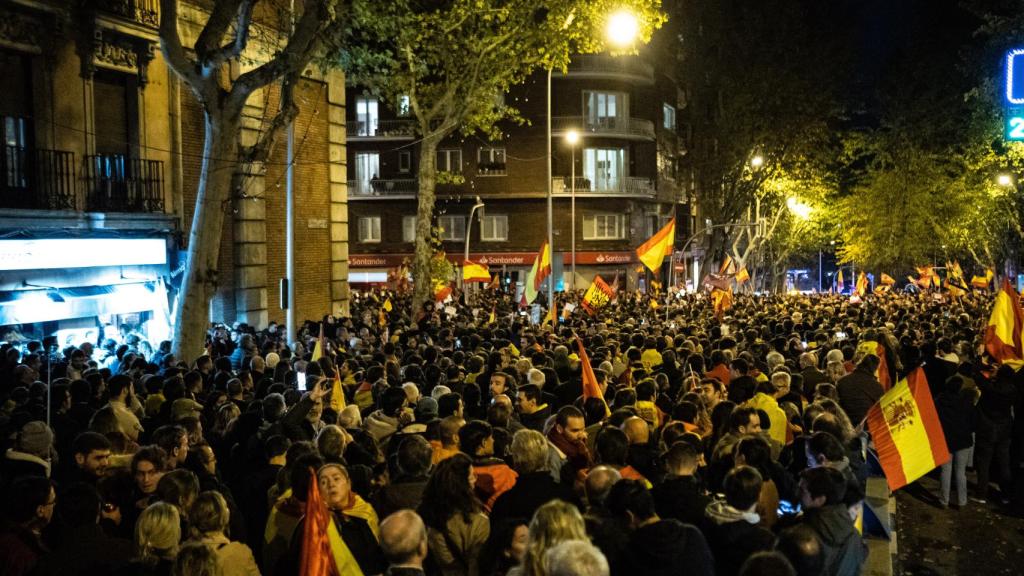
column 303, row 422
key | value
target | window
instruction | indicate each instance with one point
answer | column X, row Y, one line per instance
column 366, row 116
column 404, row 108
column 408, row 228
column 404, row 161
column 654, row 223
column 604, row 168
column 449, row 160
column 116, row 112
column 604, row 109
column 604, row 226
column 494, row 228
column 369, row 229
column 367, row 170
column 491, row 160
column 452, row 227
column 668, row 117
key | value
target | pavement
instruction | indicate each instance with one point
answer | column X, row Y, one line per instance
column 979, row 539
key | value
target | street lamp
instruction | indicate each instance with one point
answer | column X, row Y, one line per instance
column 757, row 161
column 572, row 137
column 1004, row 180
column 622, row 28
column 469, row 233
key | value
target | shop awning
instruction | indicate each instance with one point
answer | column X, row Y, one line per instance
column 43, row 305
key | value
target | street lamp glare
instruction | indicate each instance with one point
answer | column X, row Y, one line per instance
column 572, row 137
column 757, row 161
column 1004, row 180
column 622, row 28
column 798, row 208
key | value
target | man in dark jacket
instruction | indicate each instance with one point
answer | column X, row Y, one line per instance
column 995, row 423
column 535, row 486
column 860, row 390
column 822, row 491
column 811, row 375
column 958, row 417
column 731, row 526
column 681, row 496
column 82, row 549
column 657, row 546
column 533, row 411
column 406, row 490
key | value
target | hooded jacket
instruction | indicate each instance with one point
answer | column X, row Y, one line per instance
column 842, row 546
column 734, row 535
column 380, row 426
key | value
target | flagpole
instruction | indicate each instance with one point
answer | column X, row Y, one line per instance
column 671, row 265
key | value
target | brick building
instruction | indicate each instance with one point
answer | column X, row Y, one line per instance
column 98, row 176
column 626, row 180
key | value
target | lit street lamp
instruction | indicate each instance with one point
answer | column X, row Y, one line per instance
column 572, row 137
column 469, row 233
column 1004, row 180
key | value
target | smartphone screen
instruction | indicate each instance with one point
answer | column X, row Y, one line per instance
column 300, row 381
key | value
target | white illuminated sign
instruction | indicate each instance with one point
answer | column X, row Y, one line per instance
column 1015, row 77
column 51, row 253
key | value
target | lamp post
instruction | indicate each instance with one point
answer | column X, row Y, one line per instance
column 572, row 137
column 469, row 233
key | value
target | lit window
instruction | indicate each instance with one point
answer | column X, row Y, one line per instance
column 494, row 228
column 604, row 227
column 408, row 228
column 369, row 229
column 452, row 227
column 404, row 109
column 366, row 116
column 669, row 117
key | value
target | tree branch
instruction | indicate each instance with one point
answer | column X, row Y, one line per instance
column 210, row 38
column 170, row 44
column 236, row 47
column 261, row 150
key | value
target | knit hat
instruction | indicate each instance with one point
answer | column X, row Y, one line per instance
column 35, row 438
column 272, row 359
column 426, row 409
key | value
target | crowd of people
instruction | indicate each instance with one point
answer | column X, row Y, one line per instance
column 464, row 443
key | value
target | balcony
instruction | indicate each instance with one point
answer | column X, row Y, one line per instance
column 382, row 189
column 630, row 68
column 37, row 179
column 624, row 186
column 614, row 127
column 115, row 183
column 381, row 130
column 145, row 12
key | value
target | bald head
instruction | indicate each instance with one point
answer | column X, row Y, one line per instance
column 502, row 399
column 636, row 430
column 403, row 538
column 599, row 483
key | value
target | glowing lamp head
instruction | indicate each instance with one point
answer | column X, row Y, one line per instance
column 757, row 161
column 798, row 208
column 622, row 28
column 1004, row 180
column 572, row 137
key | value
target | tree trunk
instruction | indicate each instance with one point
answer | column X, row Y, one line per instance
column 220, row 154
column 423, row 289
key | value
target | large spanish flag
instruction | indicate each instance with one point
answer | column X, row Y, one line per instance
column 1003, row 335
column 591, row 389
column 541, row 269
column 474, row 272
column 862, row 285
column 652, row 252
column 742, row 276
column 906, row 431
column 882, row 373
column 323, row 553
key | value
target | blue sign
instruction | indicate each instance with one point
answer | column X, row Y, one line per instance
column 1014, row 127
column 1015, row 77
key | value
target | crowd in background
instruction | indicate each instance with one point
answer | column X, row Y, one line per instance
column 464, row 443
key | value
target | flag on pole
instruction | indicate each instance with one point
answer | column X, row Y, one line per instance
column 318, row 349
column 475, row 272
column 495, row 283
column 726, row 264
column 323, row 553
column 442, row 292
column 653, row 251
column 981, row 282
column 742, row 276
column 552, row 315
column 597, row 296
column 839, row 281
column 906, row 431
column 492, row 317
column 615, row 287
column 1003, row 334
column 862, row 284
column 722, row 301
column 591, row 389
column 541, row 269
column 387, row 305
column 337, row 392
column 887, row 280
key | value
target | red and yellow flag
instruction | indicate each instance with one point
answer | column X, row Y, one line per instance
column 597, row 296
column 905, row 428
column 591, row 389
column 495, row 283
column 475, row 272
column 442, row 292
column 887, row 280
column 721, row 300
column 726, row 264
column 653, row 252
column 882, row 373
column 742, row 276
column 862, row 284
column 337, row 392
column 387, row 305
column 541, row 269
column 1003, row 335
column 316, row 558
column 318, row 349
column 839, row 281
column 552, row 315
column 980, row 282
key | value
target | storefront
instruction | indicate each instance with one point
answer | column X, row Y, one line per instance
column 84, row 289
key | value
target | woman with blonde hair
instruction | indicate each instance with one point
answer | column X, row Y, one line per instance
column 157, row 535
column 553, row 523
column 210, row 516
column 196, row 560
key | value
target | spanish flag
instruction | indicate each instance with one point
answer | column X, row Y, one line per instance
column 442, row 292
column 862, row 284
column 905, row 428
column 318, row 350
column 652, row 252
column 387, row 305
column 726, row 264
column 980, row 282
column 722, row 301
column 887, row 280
column 742, row 276
column 552, row 315
column 474, row 272
column 323, row 553
column 839, row 281
column 495, row 283
column 591, row 389
column 1003, row 335
column 337, row 392
column 541, row 269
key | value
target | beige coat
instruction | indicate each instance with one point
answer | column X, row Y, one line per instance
column 235, row 558
column 467, row 537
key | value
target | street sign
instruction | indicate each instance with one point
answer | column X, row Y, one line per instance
column 1013, row 122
